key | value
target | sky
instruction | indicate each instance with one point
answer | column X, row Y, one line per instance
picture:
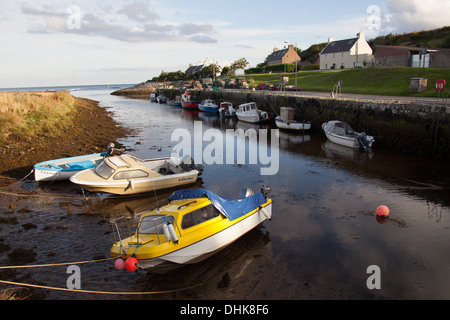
column 78, row 42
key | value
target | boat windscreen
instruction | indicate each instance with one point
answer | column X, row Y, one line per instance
column 103, row 170
column 152, row 224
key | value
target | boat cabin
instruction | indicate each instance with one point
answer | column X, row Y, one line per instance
column 246, row 107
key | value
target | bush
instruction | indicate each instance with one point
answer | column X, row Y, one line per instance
column 310, row 67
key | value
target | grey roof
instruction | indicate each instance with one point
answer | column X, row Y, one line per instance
column 277, row 55
column 339, row 46
column 194, row 69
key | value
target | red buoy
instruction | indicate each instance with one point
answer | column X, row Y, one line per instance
column 383, row 211
column 131, row 264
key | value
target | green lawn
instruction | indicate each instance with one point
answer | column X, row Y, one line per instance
column 379, row 81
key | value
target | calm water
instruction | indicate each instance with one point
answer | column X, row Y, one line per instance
column 322, row 237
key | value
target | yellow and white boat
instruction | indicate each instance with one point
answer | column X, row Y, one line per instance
column 195, row 224
column 127, row 174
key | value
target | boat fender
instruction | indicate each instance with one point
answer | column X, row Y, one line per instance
column 265, row 213
column 172, row 233
column 166, row 232
column 131, row 264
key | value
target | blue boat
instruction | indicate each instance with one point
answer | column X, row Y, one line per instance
column 208, row 106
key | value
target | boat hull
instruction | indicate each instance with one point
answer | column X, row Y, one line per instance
column 189, row 104
column 208, row 109
column 64, row 168
column 292, row 125
column 136, row 186
column 205, row 248
column 343, row 141
column 248, row 118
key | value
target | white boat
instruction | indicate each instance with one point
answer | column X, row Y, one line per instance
column 195, row 224
column 126, row 174
column 286, row 120
column 226, row 109
column 341, row 133
column 208, row 106
column 248, row 112
column 63, row 169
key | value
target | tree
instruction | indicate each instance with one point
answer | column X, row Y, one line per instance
column 209, row 71
column 238, row 64
column 225, row 71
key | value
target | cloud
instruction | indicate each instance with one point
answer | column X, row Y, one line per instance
column 139, row 11
column 416, row 15
column 203, row 39
column 132, row 22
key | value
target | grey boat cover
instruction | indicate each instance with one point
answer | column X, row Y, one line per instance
column 230, row 208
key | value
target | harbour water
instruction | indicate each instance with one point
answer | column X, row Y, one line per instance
column 322, row 238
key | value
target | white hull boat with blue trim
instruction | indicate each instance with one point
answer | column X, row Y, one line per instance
column 63, row 169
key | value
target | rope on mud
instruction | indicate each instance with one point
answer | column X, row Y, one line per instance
column 53, row 264
column 32, row 170
column 99, row 292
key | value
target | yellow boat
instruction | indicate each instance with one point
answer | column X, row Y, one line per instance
column 195, row 224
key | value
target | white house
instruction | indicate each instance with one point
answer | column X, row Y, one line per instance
column 346, row 54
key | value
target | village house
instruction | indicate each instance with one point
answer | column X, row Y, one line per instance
column 346, row 54
column 286, row 55
column 193, row 69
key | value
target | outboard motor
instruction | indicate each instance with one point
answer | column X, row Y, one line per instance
column 265, row 191
column 364, row 140
column 110, row 149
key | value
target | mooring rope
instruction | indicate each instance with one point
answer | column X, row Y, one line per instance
column 54, row 264
column 99, row 292
column 80, row 290
column 32, row 170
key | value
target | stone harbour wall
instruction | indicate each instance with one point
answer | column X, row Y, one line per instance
column 409, row 128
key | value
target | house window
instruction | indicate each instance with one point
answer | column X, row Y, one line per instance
column 334, row 55
column 342, row 55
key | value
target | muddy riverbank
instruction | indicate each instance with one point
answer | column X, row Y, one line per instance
column 94, row 128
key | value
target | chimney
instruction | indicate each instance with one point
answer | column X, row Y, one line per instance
column 275, row 49
column 330, row 39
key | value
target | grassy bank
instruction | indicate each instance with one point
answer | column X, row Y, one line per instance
column 32, row 114
column 39, row 126
column 378, row 81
